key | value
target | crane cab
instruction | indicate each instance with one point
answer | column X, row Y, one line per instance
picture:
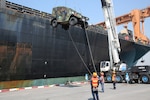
column 104, row 66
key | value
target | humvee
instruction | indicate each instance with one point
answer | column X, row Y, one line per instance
column 67, row 16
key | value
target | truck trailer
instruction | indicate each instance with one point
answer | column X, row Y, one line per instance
column 139, row 74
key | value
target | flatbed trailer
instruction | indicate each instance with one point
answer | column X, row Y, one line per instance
column 139, row 74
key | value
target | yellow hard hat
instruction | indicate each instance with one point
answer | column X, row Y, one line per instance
column 94, row 74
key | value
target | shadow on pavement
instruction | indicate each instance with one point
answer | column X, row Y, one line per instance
column 90, row 99
column 70, row 86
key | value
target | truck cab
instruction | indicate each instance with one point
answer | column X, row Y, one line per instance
column 67, row 16
column 105, row 66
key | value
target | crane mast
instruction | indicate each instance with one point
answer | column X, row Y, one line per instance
column 114, row 45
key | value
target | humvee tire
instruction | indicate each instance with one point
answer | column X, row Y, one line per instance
column 73, row 21
column 54, row 23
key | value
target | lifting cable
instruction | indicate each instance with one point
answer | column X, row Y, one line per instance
column 89, row 48
column 78, row 52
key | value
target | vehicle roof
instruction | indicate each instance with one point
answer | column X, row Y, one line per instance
column 60, row 7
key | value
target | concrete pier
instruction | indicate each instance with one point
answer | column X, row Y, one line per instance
column 81, row 92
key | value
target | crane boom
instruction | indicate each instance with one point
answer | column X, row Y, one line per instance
column 114, row 45
column 135, row 16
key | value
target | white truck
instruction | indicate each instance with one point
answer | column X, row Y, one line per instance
column 114, row 46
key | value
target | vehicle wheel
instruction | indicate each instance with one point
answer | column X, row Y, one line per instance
column 108, row 78
column 84, row 23
column 119, row 78
column 73, row 21
column 145, row 78
column 54, row 23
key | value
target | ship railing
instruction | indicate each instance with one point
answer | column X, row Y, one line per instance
column 13, row 6
column 96, row 28
column 27, row 10
column 2, row 3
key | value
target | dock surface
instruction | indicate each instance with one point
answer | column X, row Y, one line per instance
column 81, row 92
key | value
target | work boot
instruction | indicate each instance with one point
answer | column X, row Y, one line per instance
column 114, row 87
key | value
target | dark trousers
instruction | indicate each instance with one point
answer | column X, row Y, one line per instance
column 95, row 95
column 114, row 84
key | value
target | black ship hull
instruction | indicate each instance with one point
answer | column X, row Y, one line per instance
column 31, row 48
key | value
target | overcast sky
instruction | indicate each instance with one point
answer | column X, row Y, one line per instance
column 92, row 9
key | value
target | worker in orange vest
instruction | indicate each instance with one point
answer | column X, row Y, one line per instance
column 114, row 79
column 94, row 86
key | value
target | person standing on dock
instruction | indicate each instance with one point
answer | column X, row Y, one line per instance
column 102, row 81
column 94, row 86
column 127, row 78
column 114, row 79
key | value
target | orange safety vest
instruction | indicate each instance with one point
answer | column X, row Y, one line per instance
column 95, row 81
